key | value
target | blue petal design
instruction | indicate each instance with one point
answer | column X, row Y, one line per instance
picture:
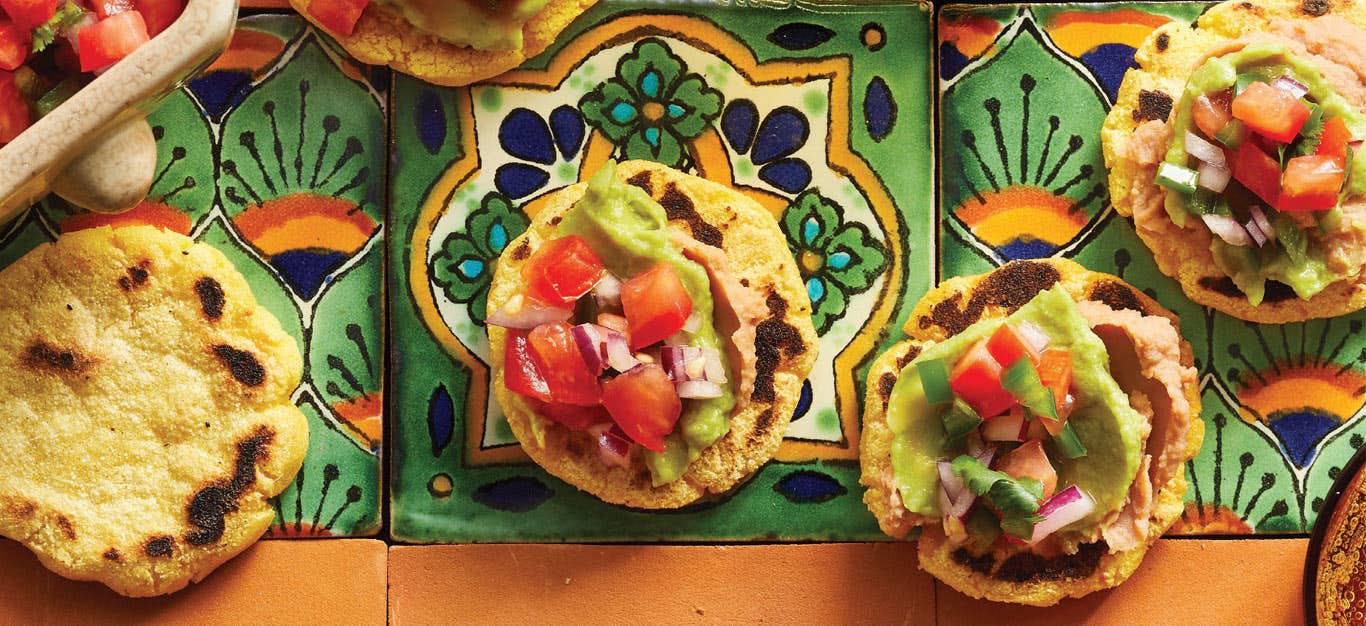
column 800, row 36
column 782, row 132
column 517, row 180
column 221, row 90
column 675, row 111
column 739, row 122
column 839, row 260
column 498, row 237
column 524, row 134
column 518, row 494
column 306, row 271
column 440, row 419
column 471, row 267
column 1110, row 61
column 649, row 84
column 803, row 401
column 790, row 175
column 811, row 228
column 815, row 289
column 623, row 112
column 879, row 109
column 430, row 120
column 652, row 136
column 569, row 130
column 1299, row 431
column 809, row 487
column 951, row 61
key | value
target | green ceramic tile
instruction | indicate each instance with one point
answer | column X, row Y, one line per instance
column 1023, row 90
column 822, row 113
column 276, row 156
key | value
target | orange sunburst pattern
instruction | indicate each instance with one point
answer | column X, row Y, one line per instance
column 1078, row 32
column 1302, row 404
column 972, row 34
column 364, row 417
column 1209, row 519
column 148, row 213
column 1022, row 221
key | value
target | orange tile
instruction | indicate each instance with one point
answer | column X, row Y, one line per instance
column 1182, row 581
column 334, row 581
column 831, row 583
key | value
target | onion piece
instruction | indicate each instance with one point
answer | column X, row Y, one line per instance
column 1065, row 507
column 1227, row 229
column 698, row 389
column 589, row 338
column 523, row 313
column 954, row 491
column 693, row 323
column 618, row 353
column 614, row 449
column 1214, row 177
column 1033, row 334
column 675, row 360
column 1205, row 151
column 1009, row 427
column 607, row 293
column 1253, row 230
column 1355, row 143
column 985, row 453
column 714, row 369
column 1260, row 218
column 1290, row 85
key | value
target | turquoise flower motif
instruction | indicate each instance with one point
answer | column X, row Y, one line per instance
column 653, row 107
column 837, row 259
column 463, row 268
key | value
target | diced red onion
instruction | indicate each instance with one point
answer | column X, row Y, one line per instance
column 698, row 389
column 985, row 453
column 1290, row 85
column 618, row 353
column 1203, row 150
column 715, row 370
column 1034, row 335
column 1008, row 427
column 1355, row 144
column 675, row 360
column 1260, row 218
column 608, row 291
column 1065, row 507
column 524, row 313
column 679, row 338
column 1214, row 177
column 954, row 491
column 592, row 346
column 1227, row 229
column 1255, row 231
column 614, row 449
column 693, row 323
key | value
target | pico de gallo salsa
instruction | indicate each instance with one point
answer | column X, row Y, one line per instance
column 1263, row 152
column 49, row 49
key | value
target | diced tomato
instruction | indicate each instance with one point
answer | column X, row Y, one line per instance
column 562, row 270
column 14, row 113
column 1007, row 345
column 615, row 322
column 338, row 16
column 105, row 8
column 1257, row 171
column 30, row 14
column 159, row 14
column 976, row 378
column 644, row 404
column 1055, row 372
column 1271, row 112
column 1029, row 461
column 1211, row 112
column 566, row 373
column 15, row 43
column 1311, row 183
column 521, row 373
column 1334, row 139
column 656, row 303
column 111, row 39
column 573, row 416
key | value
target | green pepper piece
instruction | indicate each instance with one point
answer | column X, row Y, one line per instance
column 1021, row 379
column 1069, row 445
column 1233, row 134
column 1177, row 178
column 56, row 96
column 934, row 378
column 959, row 419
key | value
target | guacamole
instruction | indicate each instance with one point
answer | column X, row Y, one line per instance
column 1104, row 421
column 629, row 232
column 1304, row 269
column 482, row 25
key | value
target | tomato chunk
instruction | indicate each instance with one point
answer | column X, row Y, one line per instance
column 1211, row 112
column 111, row 39
column 15, row 42
column 1007, row 345
column 1333, row 142
column 159, row 14
column 30, row 14
column 976, row 378
column 644, row 404
column 617, row 323
column 562, row 271
column 521, row 373
column 1311, row 183
column 338, row 16
column 572, row 416
column 105, row 8
column 1055, row 372
column 1257, row 171
column 1271, row 112
column 656, row 303
column 1029, row 461
column 566, row 373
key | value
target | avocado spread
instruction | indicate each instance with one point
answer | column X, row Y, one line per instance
column 1104, row 421
column 629, row 231
column 1294, row 259
column 478, row 24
